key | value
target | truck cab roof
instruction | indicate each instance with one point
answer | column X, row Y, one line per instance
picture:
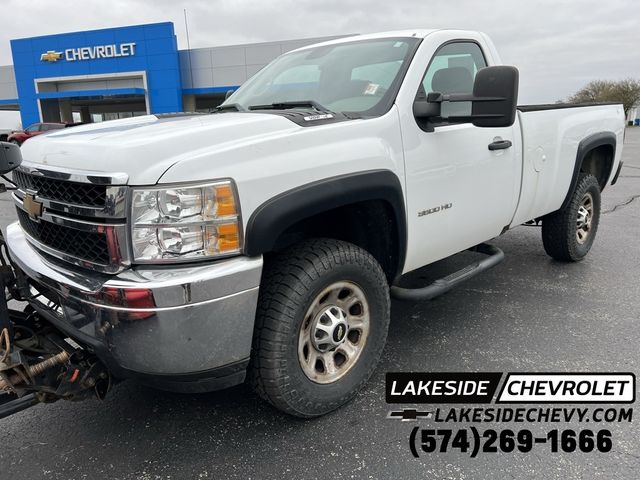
column 416, row 33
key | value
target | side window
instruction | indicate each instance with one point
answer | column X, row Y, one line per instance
column 453, row 69
column 32, row 128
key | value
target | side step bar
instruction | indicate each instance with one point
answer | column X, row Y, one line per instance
column 443, row 285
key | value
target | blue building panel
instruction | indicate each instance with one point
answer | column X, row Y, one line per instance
column 132, row 34
column 156, row 30
column 161, row 62
column 155, row 52
column 163, row 78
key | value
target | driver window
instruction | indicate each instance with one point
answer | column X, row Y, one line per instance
column 452, row 70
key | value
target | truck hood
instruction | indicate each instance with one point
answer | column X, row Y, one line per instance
column 146, row 147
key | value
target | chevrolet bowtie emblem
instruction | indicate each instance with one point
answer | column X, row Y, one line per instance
column 51, row 56
column 32, row 206
column 408, row 414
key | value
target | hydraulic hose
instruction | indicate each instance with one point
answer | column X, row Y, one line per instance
column 35, row 370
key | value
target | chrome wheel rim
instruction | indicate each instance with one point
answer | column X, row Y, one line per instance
column 585, row 218
column 334, row 332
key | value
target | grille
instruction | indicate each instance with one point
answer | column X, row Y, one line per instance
column 69, row 192
column 88, row 246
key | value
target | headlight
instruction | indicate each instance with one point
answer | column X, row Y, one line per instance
column 185, row 222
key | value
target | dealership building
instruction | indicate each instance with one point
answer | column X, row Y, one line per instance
column 112, row 73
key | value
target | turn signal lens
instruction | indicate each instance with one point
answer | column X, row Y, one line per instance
column 226, row 201
column 222, row 238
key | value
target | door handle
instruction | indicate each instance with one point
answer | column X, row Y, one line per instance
column 500, row 145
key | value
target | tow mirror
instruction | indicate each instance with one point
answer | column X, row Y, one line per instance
column 493, row 101
column 10, row 157
column 495, row 92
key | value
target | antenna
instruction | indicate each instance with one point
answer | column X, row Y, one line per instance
column 186, row 27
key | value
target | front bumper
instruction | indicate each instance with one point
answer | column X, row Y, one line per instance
column 173, row 326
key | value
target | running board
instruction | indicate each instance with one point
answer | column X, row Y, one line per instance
column 443, row 285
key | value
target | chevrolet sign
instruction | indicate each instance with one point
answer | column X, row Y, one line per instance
column 91, row 53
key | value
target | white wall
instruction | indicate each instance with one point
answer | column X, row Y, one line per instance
column 8, row 89
column 9, row 120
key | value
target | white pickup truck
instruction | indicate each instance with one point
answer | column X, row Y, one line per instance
column 264, row 240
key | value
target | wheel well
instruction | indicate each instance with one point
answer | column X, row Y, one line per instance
column 370, row 225
column 599, row 162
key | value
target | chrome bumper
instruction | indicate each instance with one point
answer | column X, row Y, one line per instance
column 172, row 322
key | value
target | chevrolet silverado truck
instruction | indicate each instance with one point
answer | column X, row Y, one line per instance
column 264, row 241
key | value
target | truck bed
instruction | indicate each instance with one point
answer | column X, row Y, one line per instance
column 550, row 136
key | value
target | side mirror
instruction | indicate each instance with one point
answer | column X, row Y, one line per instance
column 425, row 109
column 228, row 94
column 495, row 92
column 493, row 101
column 10, row 157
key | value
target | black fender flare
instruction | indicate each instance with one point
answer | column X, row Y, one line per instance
column 585, row 146
column 277, row 214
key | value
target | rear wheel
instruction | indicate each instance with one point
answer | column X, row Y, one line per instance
column 568, row 234
column 321, row 326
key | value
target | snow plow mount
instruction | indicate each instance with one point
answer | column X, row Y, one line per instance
column 38, row 363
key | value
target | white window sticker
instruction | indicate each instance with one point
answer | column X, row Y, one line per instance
column 371, row 89
column 322, row 116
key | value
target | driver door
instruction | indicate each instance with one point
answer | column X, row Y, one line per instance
column 459, row 193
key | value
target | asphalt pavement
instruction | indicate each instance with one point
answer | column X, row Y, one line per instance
column 529, row 313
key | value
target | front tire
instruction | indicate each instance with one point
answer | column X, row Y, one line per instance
column 568, row 234
column 321, row 326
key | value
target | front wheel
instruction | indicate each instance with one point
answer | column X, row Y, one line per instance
column 321, row 326
column 568, row 234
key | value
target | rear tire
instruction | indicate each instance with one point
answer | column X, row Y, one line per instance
column 568, row 234
column 321, row 326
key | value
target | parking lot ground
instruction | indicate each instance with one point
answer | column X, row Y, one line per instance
column 529, row 313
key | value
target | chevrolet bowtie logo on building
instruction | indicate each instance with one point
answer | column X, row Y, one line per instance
column 51, row 56
column 32, row 206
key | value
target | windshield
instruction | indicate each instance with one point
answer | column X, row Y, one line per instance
column 359, row 78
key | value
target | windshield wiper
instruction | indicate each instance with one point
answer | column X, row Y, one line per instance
column 292, row 104
column 230, row 106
